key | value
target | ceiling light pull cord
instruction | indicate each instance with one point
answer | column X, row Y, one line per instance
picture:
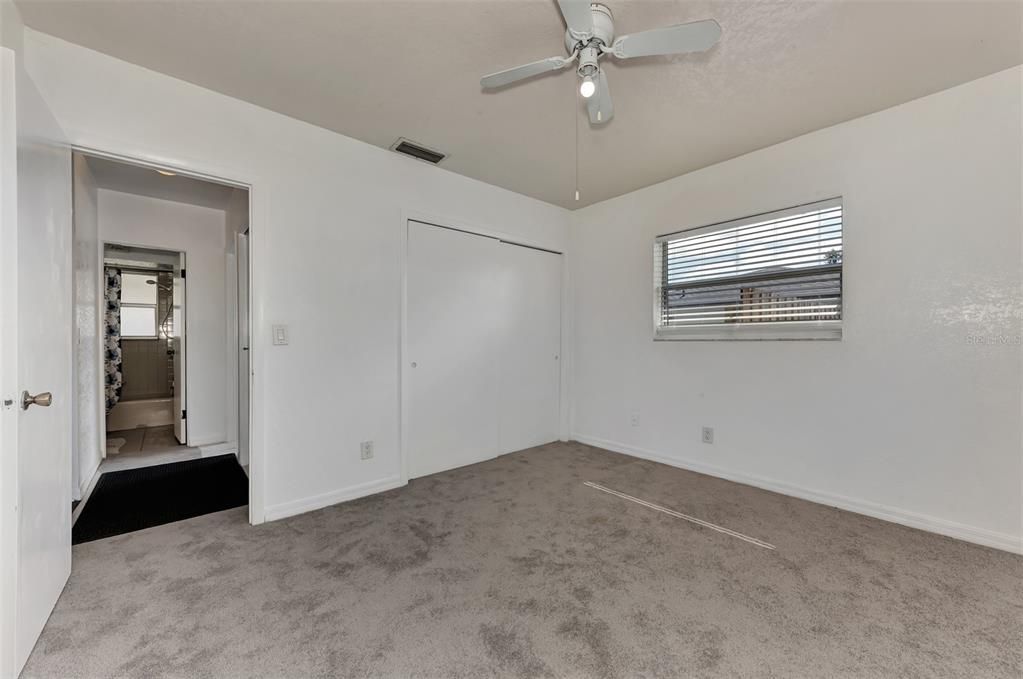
column 575, row 116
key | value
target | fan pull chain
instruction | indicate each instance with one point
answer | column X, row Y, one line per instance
column 575, row 116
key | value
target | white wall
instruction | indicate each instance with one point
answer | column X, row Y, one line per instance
column 198, row 232
column 324, row 242
column 907, row 417
column 88, row 360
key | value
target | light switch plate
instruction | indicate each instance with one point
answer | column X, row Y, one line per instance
column 280, row 334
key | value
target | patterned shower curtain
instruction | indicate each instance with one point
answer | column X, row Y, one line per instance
column 112, row 345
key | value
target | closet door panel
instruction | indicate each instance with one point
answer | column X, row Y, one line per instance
column 451, row 321
column 530, row 375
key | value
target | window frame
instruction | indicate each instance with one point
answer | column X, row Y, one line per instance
column 156, row 322
column 135, row 305
column 770, row 330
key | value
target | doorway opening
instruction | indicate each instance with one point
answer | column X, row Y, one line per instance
column 144, row 357
column 161, row 364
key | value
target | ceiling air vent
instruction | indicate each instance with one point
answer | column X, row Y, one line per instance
column 416, row 151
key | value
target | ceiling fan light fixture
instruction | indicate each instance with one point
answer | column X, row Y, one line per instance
column 588, row 87
column 590, row 36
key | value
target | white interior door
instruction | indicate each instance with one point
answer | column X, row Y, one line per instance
column 451, row 323
column 180, row 353
column 244, row 369
column 530, row 375
column 43, row 349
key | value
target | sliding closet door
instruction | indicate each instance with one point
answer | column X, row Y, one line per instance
column 530, row 377
column 450, row 362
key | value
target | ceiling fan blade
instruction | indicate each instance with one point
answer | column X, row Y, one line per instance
column 578, row 17
column 696, row 36
column 502, row 78
column 599, row 105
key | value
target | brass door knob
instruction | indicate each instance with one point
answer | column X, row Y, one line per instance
column 44, row 399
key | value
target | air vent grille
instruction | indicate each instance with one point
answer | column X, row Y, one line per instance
column 417, row 151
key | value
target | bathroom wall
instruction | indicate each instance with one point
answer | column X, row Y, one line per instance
column 146, row 365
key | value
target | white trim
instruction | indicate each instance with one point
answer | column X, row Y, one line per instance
column 565, row 385
column 155, row 164
column 474, row 227
column 149, row 460
column 931, row 524
column 403, row 345
column 91, row 479
column 792, row 331
column 86, row 494
column 214, row 449
column 101, row 336
column 309, row 504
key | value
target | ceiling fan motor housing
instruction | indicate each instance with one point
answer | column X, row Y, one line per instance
column 603, row 29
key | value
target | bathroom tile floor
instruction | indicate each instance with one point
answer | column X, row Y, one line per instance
column 144, row 446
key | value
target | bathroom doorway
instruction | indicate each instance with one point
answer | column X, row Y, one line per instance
column 144, row 347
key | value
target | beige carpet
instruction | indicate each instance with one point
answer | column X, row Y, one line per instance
column 513, row 567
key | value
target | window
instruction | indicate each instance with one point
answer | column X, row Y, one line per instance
column 773, row 276
column 138, row 306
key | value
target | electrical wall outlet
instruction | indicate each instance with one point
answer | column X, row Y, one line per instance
column 366, row 449
column 708, row 434
column 634, row 418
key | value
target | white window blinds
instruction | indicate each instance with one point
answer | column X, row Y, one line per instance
column 780, row 271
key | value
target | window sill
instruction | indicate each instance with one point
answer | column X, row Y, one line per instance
column 765, row 332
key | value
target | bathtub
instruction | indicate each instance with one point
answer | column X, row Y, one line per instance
column 143, row 412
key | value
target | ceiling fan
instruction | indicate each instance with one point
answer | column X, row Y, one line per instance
column 591, row 35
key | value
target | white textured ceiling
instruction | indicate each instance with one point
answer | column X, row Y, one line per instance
column 376, row 70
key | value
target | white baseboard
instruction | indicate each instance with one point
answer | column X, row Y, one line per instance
column 952, row 529
column 308, row 504
column 86, row 494
column 89, row 481
column 214, row 449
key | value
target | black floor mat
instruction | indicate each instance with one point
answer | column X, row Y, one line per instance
column 134, row 499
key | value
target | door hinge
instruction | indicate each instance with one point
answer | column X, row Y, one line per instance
column 183, row 414
column 182, row 273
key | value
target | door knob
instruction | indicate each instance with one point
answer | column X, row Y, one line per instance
column 44, row 399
